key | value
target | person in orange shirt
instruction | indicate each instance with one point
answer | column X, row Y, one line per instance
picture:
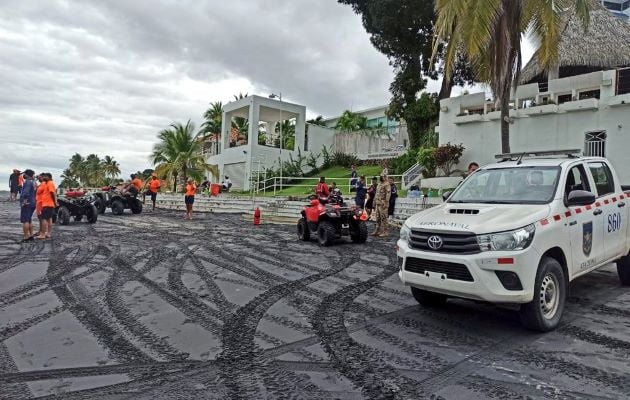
column 189, row 198
column 39, row 196
column 136, row 182
column 49, row 203
column 154, row 188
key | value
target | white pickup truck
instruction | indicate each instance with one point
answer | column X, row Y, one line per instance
column 517, row 232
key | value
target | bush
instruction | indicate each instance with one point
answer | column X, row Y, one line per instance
column 426, row 158
column 448, row 155
column 400, row 164
column 311, row 162
column 343, row 159
column 327, row 158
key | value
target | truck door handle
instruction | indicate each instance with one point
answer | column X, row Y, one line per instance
column 622, row 204
column 597, row 211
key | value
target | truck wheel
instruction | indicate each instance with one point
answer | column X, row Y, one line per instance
column 325, row 233
column 360, row 235
column 118, row 207
column 91, row 213
column 623, row 269
column 63, row 215
column 302, row 228
column 544, row 312
column 428, row 299
column 136, row 206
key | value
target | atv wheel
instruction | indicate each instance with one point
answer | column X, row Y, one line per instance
column 78, row 218
column 63, row 215
column 99, row 203
column 136, row 206
column 361, row 233
column 325, row 233
column 544, row 312
column 304, row 233
column 428, row 299
column 91, row 213
column 118, row 207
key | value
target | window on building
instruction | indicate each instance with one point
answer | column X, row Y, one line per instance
column 595, row 144
column 613, row 6
column 564, row 98
column 603, row 178
column 589, row 94
column 625, row 5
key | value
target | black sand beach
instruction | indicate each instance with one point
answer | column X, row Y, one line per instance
column 154, row 307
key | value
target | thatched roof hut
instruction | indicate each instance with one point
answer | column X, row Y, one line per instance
column 605, row 45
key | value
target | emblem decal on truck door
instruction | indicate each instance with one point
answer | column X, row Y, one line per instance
column 587, row 238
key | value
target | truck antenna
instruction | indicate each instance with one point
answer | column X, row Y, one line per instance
column 520, row 159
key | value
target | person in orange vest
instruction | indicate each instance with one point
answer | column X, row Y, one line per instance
column 153, row 189
column 49, row 203
column 189, row 198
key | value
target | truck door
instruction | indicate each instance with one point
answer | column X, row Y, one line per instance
column 614, row 209
column 586, row 225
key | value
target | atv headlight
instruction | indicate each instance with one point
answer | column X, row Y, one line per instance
column 405, row 232
column 518, row 239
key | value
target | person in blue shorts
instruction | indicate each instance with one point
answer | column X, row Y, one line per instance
column 27, row 202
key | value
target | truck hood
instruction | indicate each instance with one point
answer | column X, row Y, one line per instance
column 478, row 218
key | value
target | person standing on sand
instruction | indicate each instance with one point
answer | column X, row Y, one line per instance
column 371, row 193
column 39, row 196
column 154, row 188
column 49, row 203
column 28, row 201
column 189, row 198
column 361, row 192
column 14, row 179
column 383, row 194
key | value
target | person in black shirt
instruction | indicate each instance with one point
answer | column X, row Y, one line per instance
column 361, row 192
column 392, row 198
column 14, row 184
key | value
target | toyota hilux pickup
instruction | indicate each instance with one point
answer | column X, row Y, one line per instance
column 516, row 233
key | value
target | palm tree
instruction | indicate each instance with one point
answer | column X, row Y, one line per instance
column 350, row 121
column 240, row 96
column 178, row 154
column 489, row 33
column 319, row 120
column 110, row 167
column 68, row 179
column 93, row 170
column 77, row 167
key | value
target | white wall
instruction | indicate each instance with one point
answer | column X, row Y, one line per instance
column 558, row 130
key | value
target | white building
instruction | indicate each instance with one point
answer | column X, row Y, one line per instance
column 240, row 154
column 583, row 104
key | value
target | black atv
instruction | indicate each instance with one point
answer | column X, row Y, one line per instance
column 117, row 200
column 75, row 204
column 330, row 220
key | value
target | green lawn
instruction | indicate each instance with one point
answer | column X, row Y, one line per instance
column 341, row 175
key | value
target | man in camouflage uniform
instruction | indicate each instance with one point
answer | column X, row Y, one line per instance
column 381, row 202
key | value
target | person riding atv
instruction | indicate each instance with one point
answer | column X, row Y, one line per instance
column 119, row 198
column 327, row 220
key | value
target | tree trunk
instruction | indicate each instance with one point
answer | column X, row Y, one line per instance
column 445, row 90
column 174, row 183
column 505, row 123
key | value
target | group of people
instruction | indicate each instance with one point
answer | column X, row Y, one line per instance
column 380, row 196
column 37, row 195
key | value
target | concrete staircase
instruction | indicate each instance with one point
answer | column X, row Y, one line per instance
column 279, row 210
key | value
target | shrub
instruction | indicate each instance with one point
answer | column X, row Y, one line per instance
column 400, row 164
column 327, row 157
column 311, row 162
column 426, row 158
column 345, row 160
column 448, row 155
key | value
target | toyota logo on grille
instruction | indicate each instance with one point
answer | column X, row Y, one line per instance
column 435, row 242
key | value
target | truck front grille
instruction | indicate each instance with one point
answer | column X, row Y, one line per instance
column 454, row 271
column 460, row 243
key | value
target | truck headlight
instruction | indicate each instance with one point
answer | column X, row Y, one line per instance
column 518, row 239
column 405, row 232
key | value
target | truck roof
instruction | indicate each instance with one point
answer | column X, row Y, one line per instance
column 541, row 162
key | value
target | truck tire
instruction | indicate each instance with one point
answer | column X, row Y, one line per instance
column 91, row 213
column 544, row 312
column 304, row 233
column 325, row 233
column 428, row 299
column 361, row 233
column 118, row 207
column 136, row 206
column 63, row 215
column 623, row 270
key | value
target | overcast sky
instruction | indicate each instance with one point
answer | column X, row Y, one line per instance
column 94, row 76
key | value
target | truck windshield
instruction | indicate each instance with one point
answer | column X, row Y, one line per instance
column 516, row 185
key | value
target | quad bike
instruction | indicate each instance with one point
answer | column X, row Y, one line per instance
column 118, row 200
column 75, row 204
column 328, row 220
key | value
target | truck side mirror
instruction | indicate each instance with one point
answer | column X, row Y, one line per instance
column 446, row 195
column 580, row 198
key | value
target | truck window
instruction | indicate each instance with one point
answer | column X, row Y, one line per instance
column 576, row 180
column 603, row 178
